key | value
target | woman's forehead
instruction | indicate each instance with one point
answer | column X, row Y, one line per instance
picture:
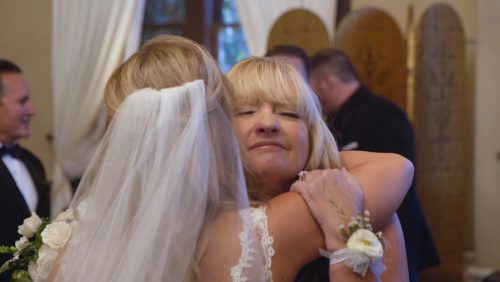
column 277, row 99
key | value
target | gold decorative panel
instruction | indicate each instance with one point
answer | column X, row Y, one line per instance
column 299, row 27
column 442, row 132
column 373, row 42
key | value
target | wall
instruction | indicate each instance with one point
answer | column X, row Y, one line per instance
column 25, row 38
column 480, row 21
column 487, row 137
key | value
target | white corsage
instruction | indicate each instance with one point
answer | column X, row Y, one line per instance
column 364, row 248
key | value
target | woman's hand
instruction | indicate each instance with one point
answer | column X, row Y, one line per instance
column 333, row 197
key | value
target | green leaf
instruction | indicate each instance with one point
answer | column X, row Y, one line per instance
column 21, row 276
column 5, row 267
column 7, row 249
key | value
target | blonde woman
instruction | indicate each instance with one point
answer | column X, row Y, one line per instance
column 278, row 123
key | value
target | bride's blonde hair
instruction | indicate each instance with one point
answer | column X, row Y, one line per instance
column 166, row 61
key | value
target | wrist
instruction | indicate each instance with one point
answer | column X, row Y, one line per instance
column 357, row 245
column 334, row 239
column 334, row 242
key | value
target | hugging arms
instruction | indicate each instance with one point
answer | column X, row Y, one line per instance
column 268, row 136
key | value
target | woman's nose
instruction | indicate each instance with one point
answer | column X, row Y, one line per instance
column 267, row 123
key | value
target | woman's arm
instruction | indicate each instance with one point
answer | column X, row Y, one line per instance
column 384, row 178
column 298, row 238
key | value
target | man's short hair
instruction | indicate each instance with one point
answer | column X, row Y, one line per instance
column 336, row 62
column 6, row 67
column 290, row 51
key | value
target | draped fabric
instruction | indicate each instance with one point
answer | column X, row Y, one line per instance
column 258, row 16
column 90, row 39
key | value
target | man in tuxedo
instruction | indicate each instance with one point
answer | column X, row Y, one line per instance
column 363, row 121
column 23, row 185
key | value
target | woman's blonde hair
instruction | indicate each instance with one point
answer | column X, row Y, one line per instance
column 166, row 61
column 259, row 79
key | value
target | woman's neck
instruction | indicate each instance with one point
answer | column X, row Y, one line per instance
column 270, row 189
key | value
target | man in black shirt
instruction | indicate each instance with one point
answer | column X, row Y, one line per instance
column 363, row 121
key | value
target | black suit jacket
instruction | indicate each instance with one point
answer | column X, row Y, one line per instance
column 13, row 207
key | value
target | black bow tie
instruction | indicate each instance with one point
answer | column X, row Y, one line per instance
column 14, row 151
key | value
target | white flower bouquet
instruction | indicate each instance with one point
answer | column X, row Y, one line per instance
column 35, row 253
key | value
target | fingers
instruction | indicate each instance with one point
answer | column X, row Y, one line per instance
column 300, row 187
column 331, row 182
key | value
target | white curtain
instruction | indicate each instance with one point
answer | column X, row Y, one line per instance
column 89, row 40
column 258, row 16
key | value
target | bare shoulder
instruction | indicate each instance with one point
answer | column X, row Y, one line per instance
column 219, row 247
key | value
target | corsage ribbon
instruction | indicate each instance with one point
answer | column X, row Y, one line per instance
column 357, row 260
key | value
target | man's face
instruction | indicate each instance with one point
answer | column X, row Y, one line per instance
column 16, row 109
column 317, row 80
column 297, row 63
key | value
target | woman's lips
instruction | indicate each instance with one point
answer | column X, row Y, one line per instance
column 266, row 144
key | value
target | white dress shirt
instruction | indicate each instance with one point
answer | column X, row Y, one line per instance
column 22, row 177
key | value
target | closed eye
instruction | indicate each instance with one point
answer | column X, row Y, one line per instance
column 244, row 113
column 290, row 115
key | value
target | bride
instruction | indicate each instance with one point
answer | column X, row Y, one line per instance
column 164, row 197
column 166, row 173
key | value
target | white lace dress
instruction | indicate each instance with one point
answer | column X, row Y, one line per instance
column 239, row 272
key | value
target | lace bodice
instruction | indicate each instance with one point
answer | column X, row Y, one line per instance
column 249, row 241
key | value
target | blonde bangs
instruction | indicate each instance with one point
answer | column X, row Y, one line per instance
column 259, row 79
column 256, row 80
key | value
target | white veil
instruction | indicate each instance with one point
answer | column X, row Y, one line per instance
column 167, row 166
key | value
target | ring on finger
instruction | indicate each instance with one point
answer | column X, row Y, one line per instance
column 303, row 175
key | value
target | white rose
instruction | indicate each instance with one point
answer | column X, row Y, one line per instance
column 46, row 259
column 33, row 270
column 30, row 225
column 56, row 234
column 82, row 209
column 67, row 215
column 366, row 241
column 21, row 243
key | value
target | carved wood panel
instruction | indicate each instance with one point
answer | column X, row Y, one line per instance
column 442, row 134
column 374, row 44
column 299, row 27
